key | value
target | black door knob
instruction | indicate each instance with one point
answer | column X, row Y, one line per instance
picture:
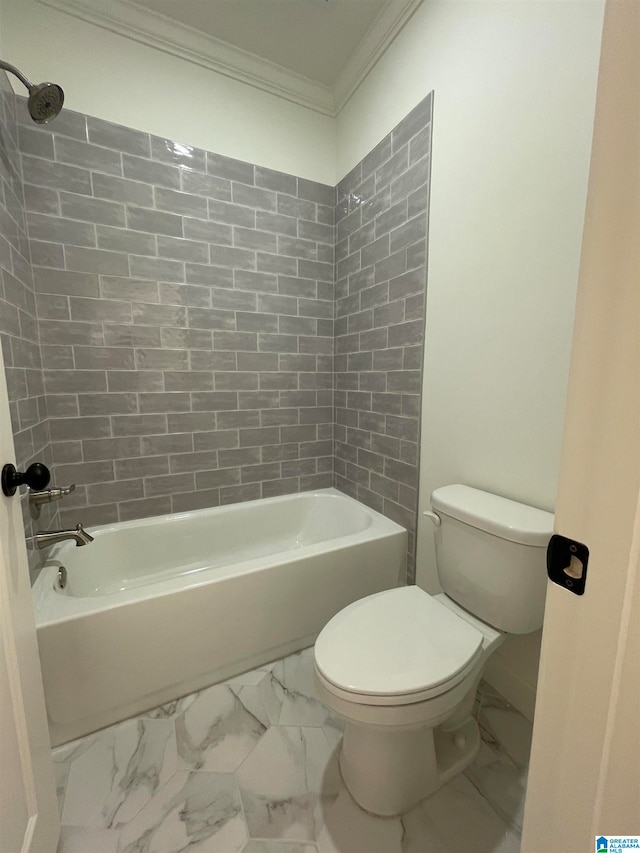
column 36, row 476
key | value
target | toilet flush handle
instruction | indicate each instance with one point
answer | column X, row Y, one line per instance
column 433, row 516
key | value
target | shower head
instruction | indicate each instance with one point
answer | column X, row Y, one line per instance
column 45, row 102
column 45, row 99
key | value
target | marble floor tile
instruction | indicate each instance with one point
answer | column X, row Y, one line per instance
column 285, row 783
column 193, row 811
column 289, row 695
column 258, row 846
column 348, row 828
column 250, row 766
column 481, row 831
column 220, row 727
column 117, row 775
column 79, row 839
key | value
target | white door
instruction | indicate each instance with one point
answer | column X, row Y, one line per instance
column 28, row 805
column 584, row 778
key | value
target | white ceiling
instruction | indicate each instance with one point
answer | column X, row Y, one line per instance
column 313, row 52
column 314, row 38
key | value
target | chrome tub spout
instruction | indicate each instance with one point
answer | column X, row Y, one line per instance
column 44, row 539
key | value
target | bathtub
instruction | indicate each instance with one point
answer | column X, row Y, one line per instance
column 155, row 609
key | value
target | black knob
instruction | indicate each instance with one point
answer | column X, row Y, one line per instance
column 36, row 476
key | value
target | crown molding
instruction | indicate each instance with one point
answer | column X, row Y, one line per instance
column 127, row 19
column 391, row 19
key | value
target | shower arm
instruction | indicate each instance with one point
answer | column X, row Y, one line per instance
column 6, row 66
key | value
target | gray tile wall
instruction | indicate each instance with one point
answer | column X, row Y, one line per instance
column 185, row 303
column 18, row 323
column 186, row 306
column 381, row 251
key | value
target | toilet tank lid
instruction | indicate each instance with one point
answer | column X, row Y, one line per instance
column 502, row 517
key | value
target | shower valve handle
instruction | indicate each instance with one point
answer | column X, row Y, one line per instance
column 36, row 476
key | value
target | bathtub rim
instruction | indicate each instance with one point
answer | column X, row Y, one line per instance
column 53, row 607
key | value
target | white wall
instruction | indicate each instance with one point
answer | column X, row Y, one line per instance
column 514, row 104
column 514, row 85
column 117, row 79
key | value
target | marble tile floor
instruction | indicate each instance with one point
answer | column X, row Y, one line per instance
column 250, row 766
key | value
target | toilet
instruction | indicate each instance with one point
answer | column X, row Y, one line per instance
column 401, row 667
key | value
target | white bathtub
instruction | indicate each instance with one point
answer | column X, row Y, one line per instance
column 158, row 608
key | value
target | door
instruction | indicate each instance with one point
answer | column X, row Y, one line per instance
column 584, row 778
column 28, row 804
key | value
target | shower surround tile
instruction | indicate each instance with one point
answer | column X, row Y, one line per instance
column 154, row 264
column 205, row 305
column 380, row 289
column 19, row 332
column 214, row 772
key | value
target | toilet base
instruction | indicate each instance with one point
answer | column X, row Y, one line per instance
column 389, row 770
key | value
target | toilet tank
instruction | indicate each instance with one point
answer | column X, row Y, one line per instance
column 491, row 556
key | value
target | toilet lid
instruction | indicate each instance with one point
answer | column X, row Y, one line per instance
column 398, row 642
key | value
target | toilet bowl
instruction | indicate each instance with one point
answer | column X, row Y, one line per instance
column 401, row 667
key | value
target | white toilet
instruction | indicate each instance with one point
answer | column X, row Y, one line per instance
column 401, row 667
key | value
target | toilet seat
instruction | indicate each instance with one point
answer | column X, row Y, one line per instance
column 394, row 648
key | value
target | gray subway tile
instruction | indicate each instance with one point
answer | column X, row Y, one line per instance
column 154, row 221
column 231, row 214
column 57, row 176
column 158, row 402
column 206, row 186
column 140, row 466
column 136, row 290
column 227, row 167
column 313, row 191
column 122, row 240
column 210, row 232
column 227, row 256
column 35, row 142
column 178, row 154
column 46, row 254
column 144, row 508
column 169, row 484
column 248, row 238
column 138, row 424
column 276, row 264
column 65, row 282
column 52, row 307
column 409, row 233
column 253, row 197
column 277, row 181
column 295, row 207
column 159, row 359
column 96, row 261
column 74, row 381
column 41, row 200
column 58, row 230
column 208, row 275
column 184, row 250
column 156, row 268
column 110, row 448
column 108, row 404
column 419, row 116
column 158, row 174
column 261, row 282
column 89, row 156
column 93, row 210
column 109, row 358
column 122, row 190
column 277, row 223
column 116, row 136
column 183, row 203
column 128, row 335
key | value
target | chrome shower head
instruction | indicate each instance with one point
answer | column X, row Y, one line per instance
column 45, row 102
column 45, row 99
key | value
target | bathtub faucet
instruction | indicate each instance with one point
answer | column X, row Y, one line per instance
column 44, row 539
